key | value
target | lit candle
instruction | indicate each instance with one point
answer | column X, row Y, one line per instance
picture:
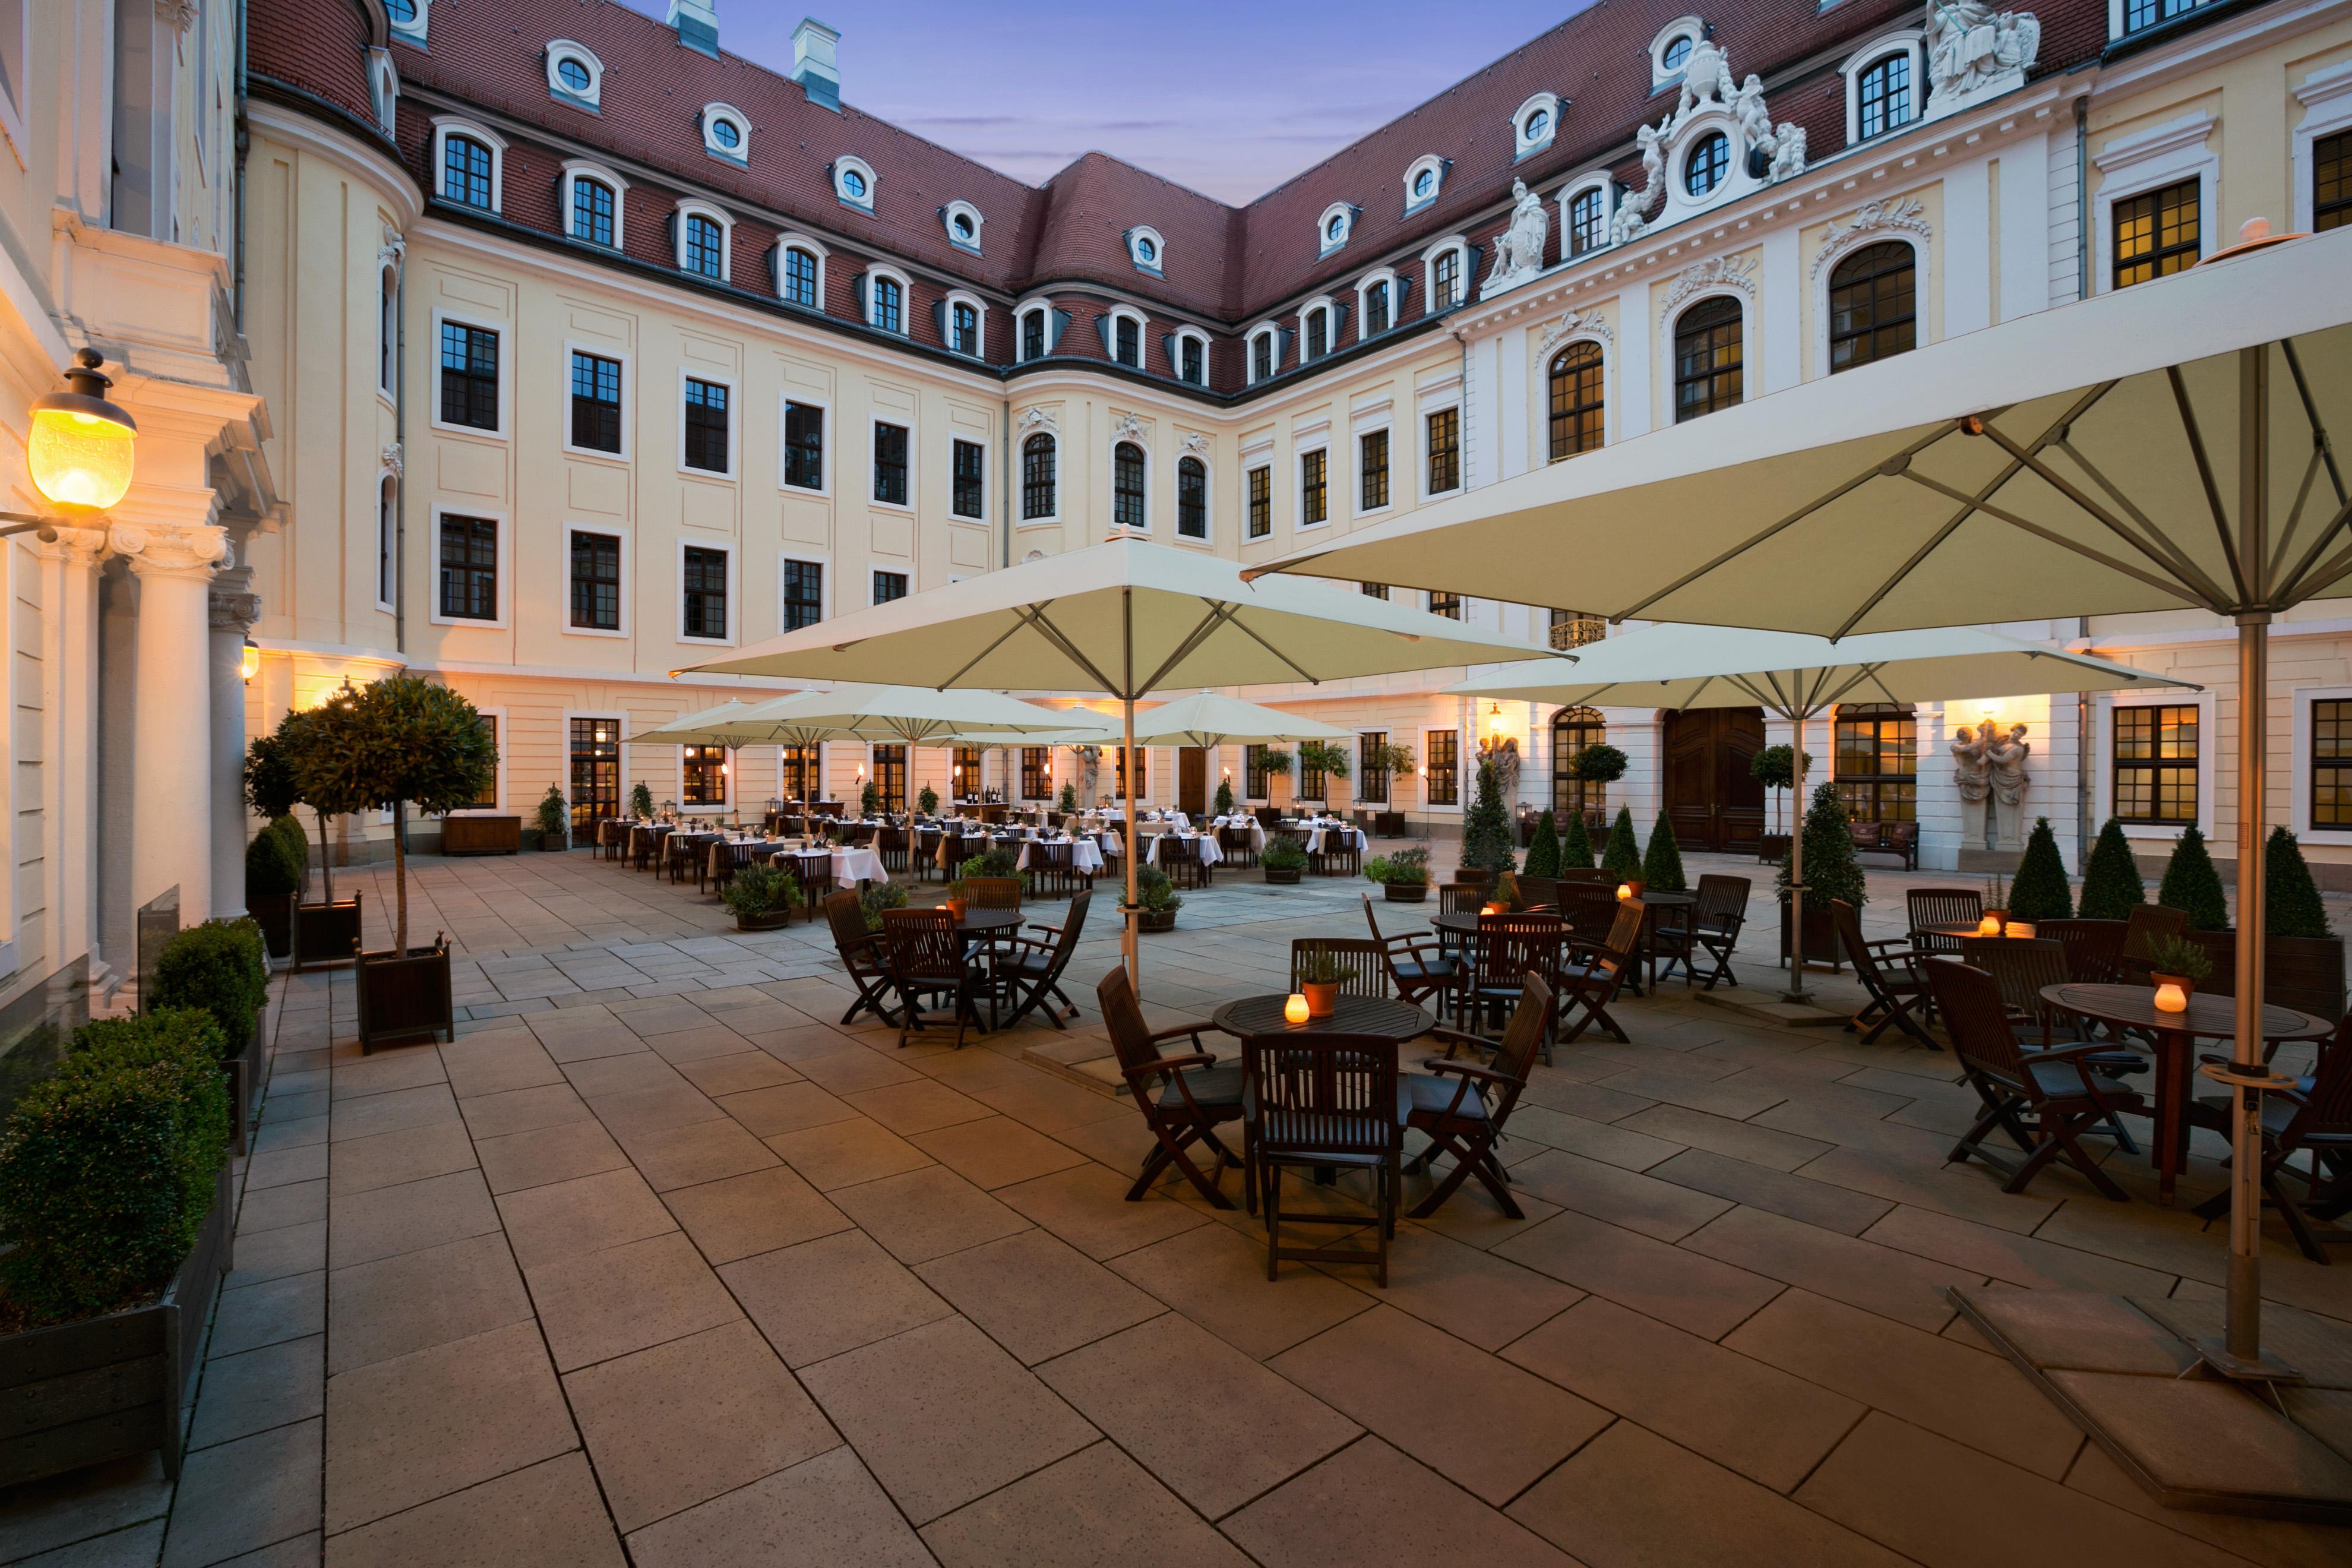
column 2171, row 999
column 1988, row 926
column 1490, row 909
column 1294, row 1009
column 2020, row 929
column 1624, row 889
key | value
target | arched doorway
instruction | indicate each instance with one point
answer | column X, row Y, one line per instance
column 1573, row 729
column 1713, row 802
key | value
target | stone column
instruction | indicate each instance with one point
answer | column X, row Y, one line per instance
column 69, row 696
column 171, row 789
column 232, row 608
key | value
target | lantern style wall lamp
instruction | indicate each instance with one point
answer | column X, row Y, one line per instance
column 80, row 449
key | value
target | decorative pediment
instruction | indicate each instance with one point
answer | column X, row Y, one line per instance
column 1036, row 419
column 1719, row 144
column 1195, row 444
column 1130, row 428
column 1735, row 272
column 1574, row 324
column 1896, row 213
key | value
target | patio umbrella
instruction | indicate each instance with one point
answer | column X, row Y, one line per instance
column 1124, row 618
column 701, row 729
column 1796, row 676
column 2167, row 445
column 1209, row 719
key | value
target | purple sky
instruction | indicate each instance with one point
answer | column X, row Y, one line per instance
column 1228, row 98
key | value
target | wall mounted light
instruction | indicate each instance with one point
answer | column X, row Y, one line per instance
column 79, row 451
column 248, row 663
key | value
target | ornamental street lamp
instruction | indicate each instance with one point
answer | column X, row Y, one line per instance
column 79, row 452
column 248, row 663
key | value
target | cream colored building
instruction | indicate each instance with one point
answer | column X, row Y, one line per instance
column 1494, row 281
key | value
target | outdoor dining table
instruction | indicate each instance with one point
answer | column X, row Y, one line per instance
column 1209, row 854
column 1086, row 855
column 1670, row 908
column 1399, row 1021
column 850, row 865
column 2208, row 1016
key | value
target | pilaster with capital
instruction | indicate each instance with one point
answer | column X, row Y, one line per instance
column 172, row 698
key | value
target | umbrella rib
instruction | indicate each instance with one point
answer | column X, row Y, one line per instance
column 2177, row 589
column 2292, row 590
column 1017, row 623
column 1218, row 614
column 2184, row 571
column 2319, row 438
column 1772, row 698
column 2295, row 513
column 1244, row 627
column 2204, row 476
column 1897, row 463
column 1035, row 615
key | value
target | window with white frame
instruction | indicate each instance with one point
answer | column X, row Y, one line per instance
column 2320, row 150
column 1126, row 335
column 853, row 182
column 1191, row 498
column 1190, row 352
column 1670, row 50
column 1036, row 331
column 1146, row 248
column 1039, row 482
column 963, row 225
column 889, row 585
column 803, row 445
column 575, row 75
column 592, row 200
column 2131, row 16
column 961, row 320
column 596, row 408
column 1584, row 218
column 803, row 594
column 1127, row 486
column 1372, row 469
column 1318, row 334
column 1423, row 178
column 469, row 162
column 597, row 583
column 387, row 542
column 1331, row 230
column 1441, row 450
column 1535, row 123
column 384, row 81
column 704, row 572
column 1261, row 502
column 388, row 330
column 1375, row 304
column 968, row 480
column 469, row 377
column 1445, row 263
column 2156, row 212
column 1265, row 354
column 886, row 301
column 409, row 19
column 703, row 234
column 467, row 551
column 800, row 272
column 726, row 132
column 891, row 445
column 1314, row 486
column 708, row 444
column 1886, row 84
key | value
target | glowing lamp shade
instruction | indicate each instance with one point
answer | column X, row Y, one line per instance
column 1294, row 1010
column 1494, row 725
column 1988, row 926
column 79, row 452
column 1625, row 890
column 2171, row 999
column 250, row 664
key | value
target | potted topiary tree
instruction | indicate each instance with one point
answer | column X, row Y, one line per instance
column 2111, row 882
column 1486, row 828
column 1775, row 767
column 640, row 802
column 2039, row 891
column 869, row 799
column 401, row 742
column 1326, row 758
column 273, row 880
column 1576, row 846
column 1543, row 847
column 1283, row 859
column 1621, row 857
column 2303, row 958
column 927, row 801
column 1833, row 870
column 554, row 820
column 2192, row 885
column 281, row 771
column 1223, row 804
column 1069, row 801
column 1662, row 862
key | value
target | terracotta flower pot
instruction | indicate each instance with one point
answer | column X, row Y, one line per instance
column 2161, row 980
column 1322, row 1001
column 958, row 908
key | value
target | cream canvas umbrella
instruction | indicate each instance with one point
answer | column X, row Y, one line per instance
column 1211, row 719
column 2165, row 446
column 1126, row 619
column 702, row 729
column 1797, row 678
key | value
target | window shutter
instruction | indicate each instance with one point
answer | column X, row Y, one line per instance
column 1173, row 349
column 857, row 293
column 1400, row 291
column 1338, row 324
column 1060, row 324
column 939, row 319
column 1103, row 326
column 1282, row 340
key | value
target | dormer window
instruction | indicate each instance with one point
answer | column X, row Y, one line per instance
column 1190, row 352
column 575, row 75
column 963, row 223
column 1146, row 249
column 1422, row 180
column 726, row 134
column 408, row 19
column 1338, row 220
column 469, row 160
column 702, row 242
column 383, row 89
column 852, row 182
column 1377, row 302
column 1123, row 336
column 1584, row 215
column 1885, row 83
column 961, row 324
column 1676, row 55
column 1036, row 332
column 1707, row 163
column 1446, row 263
column 592, row 204
column 1319, row 331
column 800, row 272
column 886, row 301
column 1265, row 354
column 1535, row 124
column 1670, row 50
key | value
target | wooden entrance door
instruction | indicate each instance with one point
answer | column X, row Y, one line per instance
column 1711, row 798
column 1192, row 781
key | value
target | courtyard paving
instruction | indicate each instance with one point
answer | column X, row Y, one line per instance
column 659, row 1264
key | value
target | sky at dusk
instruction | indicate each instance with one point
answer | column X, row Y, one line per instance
column 1230, row 98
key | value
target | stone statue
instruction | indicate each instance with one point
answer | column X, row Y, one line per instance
column 1970, row 769
column 2004, row 758
column 1519, row 249
column 1971, row 48
column 1632, row 215
column 1505, row 755
column 1788, row 151
column 1748, row 109
column 1707, row 75
column 1089, row 759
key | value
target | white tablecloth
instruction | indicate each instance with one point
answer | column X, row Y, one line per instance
column 1206, row 851
column 850, row 867
column 1354, row 835
column 1257, row 828
column 1083, row 855
column 1175, row 819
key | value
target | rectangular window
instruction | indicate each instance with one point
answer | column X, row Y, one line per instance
column 1445, row 286
column 889, row 585
column 2141, row 15
column 1032, row 335
column 706, row 426
column 800, row 278
column 1143, row 756
column 706, row 593
column 2331, row 764
column 595, row 771
column 1445, row 450
column 803, row 447
column 2156, row 764
column 1128, row 339
column 1372, row 470
column 1376, row 591
column 964, row 331
column 470, row 568
column 1261, row 502
column 890, row 776
column 466, row 172
column 592, row 211
column 970, row 481
column 469, row 377
column 1441, row 767
column 1195, row 369
column 704, row 776
column 1314, row 488
column 890, row 463
column 1036, row 773
column 888, row 302
column 799, row 775
column 2156, row 234
column 1261, row 356
column 1376, row 309
column 1371, row 781
column 1318, row 333
column 964, row 772
column 1312, row 784
column 1875, row 760
column 595, row 402
column 1258, row 779
column 803, row 594
column 1037, row 464
column 1445, row 604
column 706, row 247
column 2331, row 181
column 387, row 542
column 489, row 799
column 596, row 582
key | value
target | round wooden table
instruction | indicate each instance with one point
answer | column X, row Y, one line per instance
column 2208, row 1017
column 980, row 922
column 1399, row 1021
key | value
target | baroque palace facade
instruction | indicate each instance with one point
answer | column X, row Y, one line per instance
column 592, row 350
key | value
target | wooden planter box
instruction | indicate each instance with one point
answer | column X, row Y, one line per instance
column 326, row 933
column 245, row 1079
column 1155, row 919
column 481, row 835
column 1283, row 875
column 1404, row 892
column 553, row 843
column 107, row 1387
column 1772, row 849
column 273, row 913
column 1821, row 946
column 1388, row 825
column 404, row 997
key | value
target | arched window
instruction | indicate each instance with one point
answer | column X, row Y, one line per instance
column 1573, row 729
column 799, row 277
column 889, row 305
column 1707, row 163
column 1445, row 278
column 1193, row 359
column 705, row 250
column 963, row 328
column 1126, row 485
column 466, row 170
column 1037, row 477
column 1576, row 401
column 1127, row 341
column 1876, row 761
column 1191, row 499
column 1874, row 305
column 1708, row 358
column 1376, row 308
column 1883, row 94
column 387, row 332
column 1033, row 334
column 1317, row 326
column 1261, row 355
column 1588, row 220
column 592, row 211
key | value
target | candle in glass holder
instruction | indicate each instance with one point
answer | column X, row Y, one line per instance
column 2021, row 928
column 1490, row 909
column 1625, row 890
column 1988, row 926
column 2171, row 999
column 1294, row 1009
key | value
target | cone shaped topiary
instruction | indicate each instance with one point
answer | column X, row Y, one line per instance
column 1543, row 849
column 1622, row 856
column 2191, row 885
column 2291, row 905
column 1487, row 831
column 1662, row 863
column 1832, row 869
column 2039, row 891
column 1224, row 803
column 1576, row 849
column 2111, row 883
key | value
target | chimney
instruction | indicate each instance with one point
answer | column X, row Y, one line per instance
column 812, row 63
column 696, row 22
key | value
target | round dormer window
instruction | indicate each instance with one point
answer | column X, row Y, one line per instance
column 1146, row 251
column 1537, row 126
column 1675, row 54
column 1708, row 162
column 963, row 225
column 400, row 10
column 1335, row 230
column 572, row 74
column 726, row 134
column 1424, row 184
column 852, row 185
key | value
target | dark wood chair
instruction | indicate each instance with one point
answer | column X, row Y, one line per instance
column 1540, row 894
column 1591, row 910
column 1940, row 906
column 1716, row 922
column 2023, row 968
column 1589, row 983
column 2147, row 925
column 2314, row 1119
column 1238, row 845
column 2045, row 1100
column 1418, row 965
column 927, row 959
column 1184, row 1096
column 1461, row 1108
column 1472, row 877
column 992, row 892
column 864, row 954
column 1030, row 968
column 1593, row 875
column 1506, row 950
column 892, row 845
column 1052, row 868
column 1324, row 1103
column 1890, row 977
column 2095, row 948
column 1363, row 964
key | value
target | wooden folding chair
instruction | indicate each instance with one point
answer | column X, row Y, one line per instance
column 863, row 954
column 1184, row 1096
column 1324, row 1101
column 2314, row 1119
column 1464, row 1120
column 1418, row 965
column 928, row 959
column 1030, row 968
column 1940, row 906
column 2024, row 968
column 1890, row 977
column 1716, row 922
column 1589, row 986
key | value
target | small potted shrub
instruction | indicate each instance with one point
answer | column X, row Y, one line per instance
column 279, row 775
column 273, row 880
column 640, row 802
column 217, row 968
column 1223, row 804
column 927, row 801
column 2303, row 958
column 2178, row 961
column 869, row 799
column 1156, row 900
column 763, row 897
column 1069, row 797
column 1403, row 876
column 1319, row 979
column 1284, row 859
column 877, row 897
column 554, row 820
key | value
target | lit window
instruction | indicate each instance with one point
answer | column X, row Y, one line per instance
column 2331, row 181
column 1371, row 470
column 1261, row 508
column 1314, row 488
column 2331, row 764
column 1873, row 311
column 1576, row 401
column 1448, row 604
column 1441, row 767
column 2155, row 763
column 2157, row 235
column 1708, row 358
column 1445, row 450
column 702, row 775
column 1875, row 758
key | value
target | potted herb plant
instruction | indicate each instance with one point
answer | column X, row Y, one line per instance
column 554, row 820
column 2179, row 961
column 763, row 897
column 1404, row 876
column 1156, row 898
column 1283, row 859
column 1319, row 979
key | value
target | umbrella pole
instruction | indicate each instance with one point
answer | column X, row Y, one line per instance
column 1129, row 916
column 2245, row 1293
column 1797, row 992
